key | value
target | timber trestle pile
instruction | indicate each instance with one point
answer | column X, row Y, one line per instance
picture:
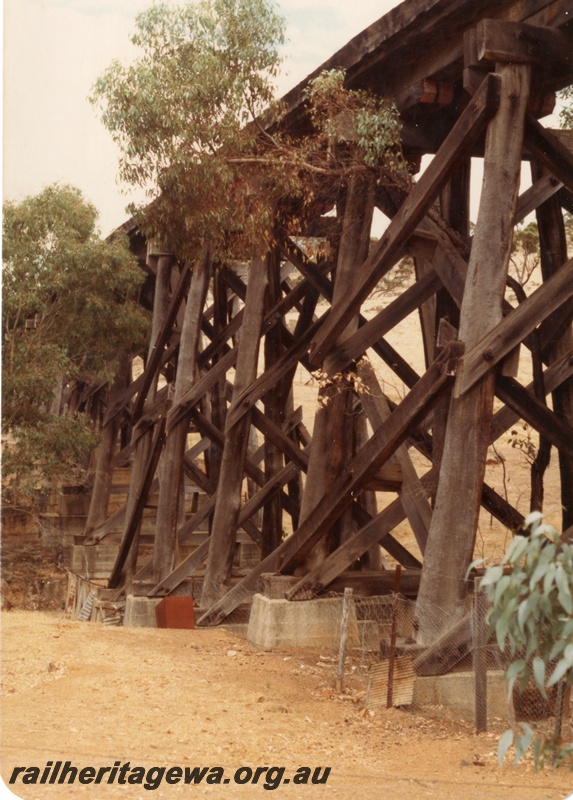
column 213, row 412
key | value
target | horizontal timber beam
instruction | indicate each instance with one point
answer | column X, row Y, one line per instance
column 520, row 43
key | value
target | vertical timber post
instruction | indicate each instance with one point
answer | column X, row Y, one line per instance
column 165, row 263
column 346, row 603
column 393, row 635
column 274, row 405
column 454, row 201
column 372, row 558
column 454, row 522
column 99, row 500
column 224, row 530
column 218, row 401
column 327, row 456
column 165, row 543
column 553, row 246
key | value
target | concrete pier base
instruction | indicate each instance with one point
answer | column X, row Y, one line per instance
column 304, row 623
column 276, row 586
column 140, row 612
column 456, row 691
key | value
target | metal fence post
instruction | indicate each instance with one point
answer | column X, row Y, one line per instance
column 479, row 658
column 343, row 637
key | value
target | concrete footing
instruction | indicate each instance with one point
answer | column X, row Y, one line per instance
column 456, row 691
column 276, row 586
column 140, row 612
column 304, row 623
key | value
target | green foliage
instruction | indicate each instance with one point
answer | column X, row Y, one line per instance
column 525, row 252
column 531, row 596
column 566, row 113
column 180, row 112
column 188, row 117
column 66, row 315
column 54, row 450
column 346, row 115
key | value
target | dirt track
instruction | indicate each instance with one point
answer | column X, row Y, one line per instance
column 95, row 695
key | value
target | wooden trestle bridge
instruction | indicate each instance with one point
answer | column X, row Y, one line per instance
column 471, row 79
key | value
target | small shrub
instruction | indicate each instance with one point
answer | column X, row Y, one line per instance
column 531, row 614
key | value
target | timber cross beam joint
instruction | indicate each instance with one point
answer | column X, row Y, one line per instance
column 499, row 41
column 515, row 327
column 519, row 43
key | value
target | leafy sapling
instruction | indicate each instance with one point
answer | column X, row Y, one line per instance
column 531, row 613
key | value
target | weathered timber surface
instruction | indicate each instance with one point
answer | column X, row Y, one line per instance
column 274, row 404
column 553, row 244
column 447, row 651
column 103, row 472
column 331, row 447
column 412, row 495
column 549, row 151
column 421, row 45
column 556, row 429
column 538, row 193
column 138, row 505
column 419, row 40
column 553, row 377
column 455, row 209
column 144, row 452
column 251, row 393
column 374, row 532
column 252, row 470
column 339, row 496
column 223, row 536
column 520, row 43
column 373, row 330
column 155, row 355
column 452, row 534
column 168, row 508
column 376, row 583
column 509, row 332
column 467, row 129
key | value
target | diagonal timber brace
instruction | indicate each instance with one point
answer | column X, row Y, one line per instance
column 469, row 127
column 339, row 496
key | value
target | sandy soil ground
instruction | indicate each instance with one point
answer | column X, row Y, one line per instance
column 97, row 695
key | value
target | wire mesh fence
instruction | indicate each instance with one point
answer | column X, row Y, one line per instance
column 368, row 644
column 462, row 673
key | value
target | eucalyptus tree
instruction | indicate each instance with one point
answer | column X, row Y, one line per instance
column 181, row 109
column 531, row 613
column 198, row 126
column 68, row 314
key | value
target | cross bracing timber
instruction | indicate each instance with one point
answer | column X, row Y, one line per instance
column 470, row 79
